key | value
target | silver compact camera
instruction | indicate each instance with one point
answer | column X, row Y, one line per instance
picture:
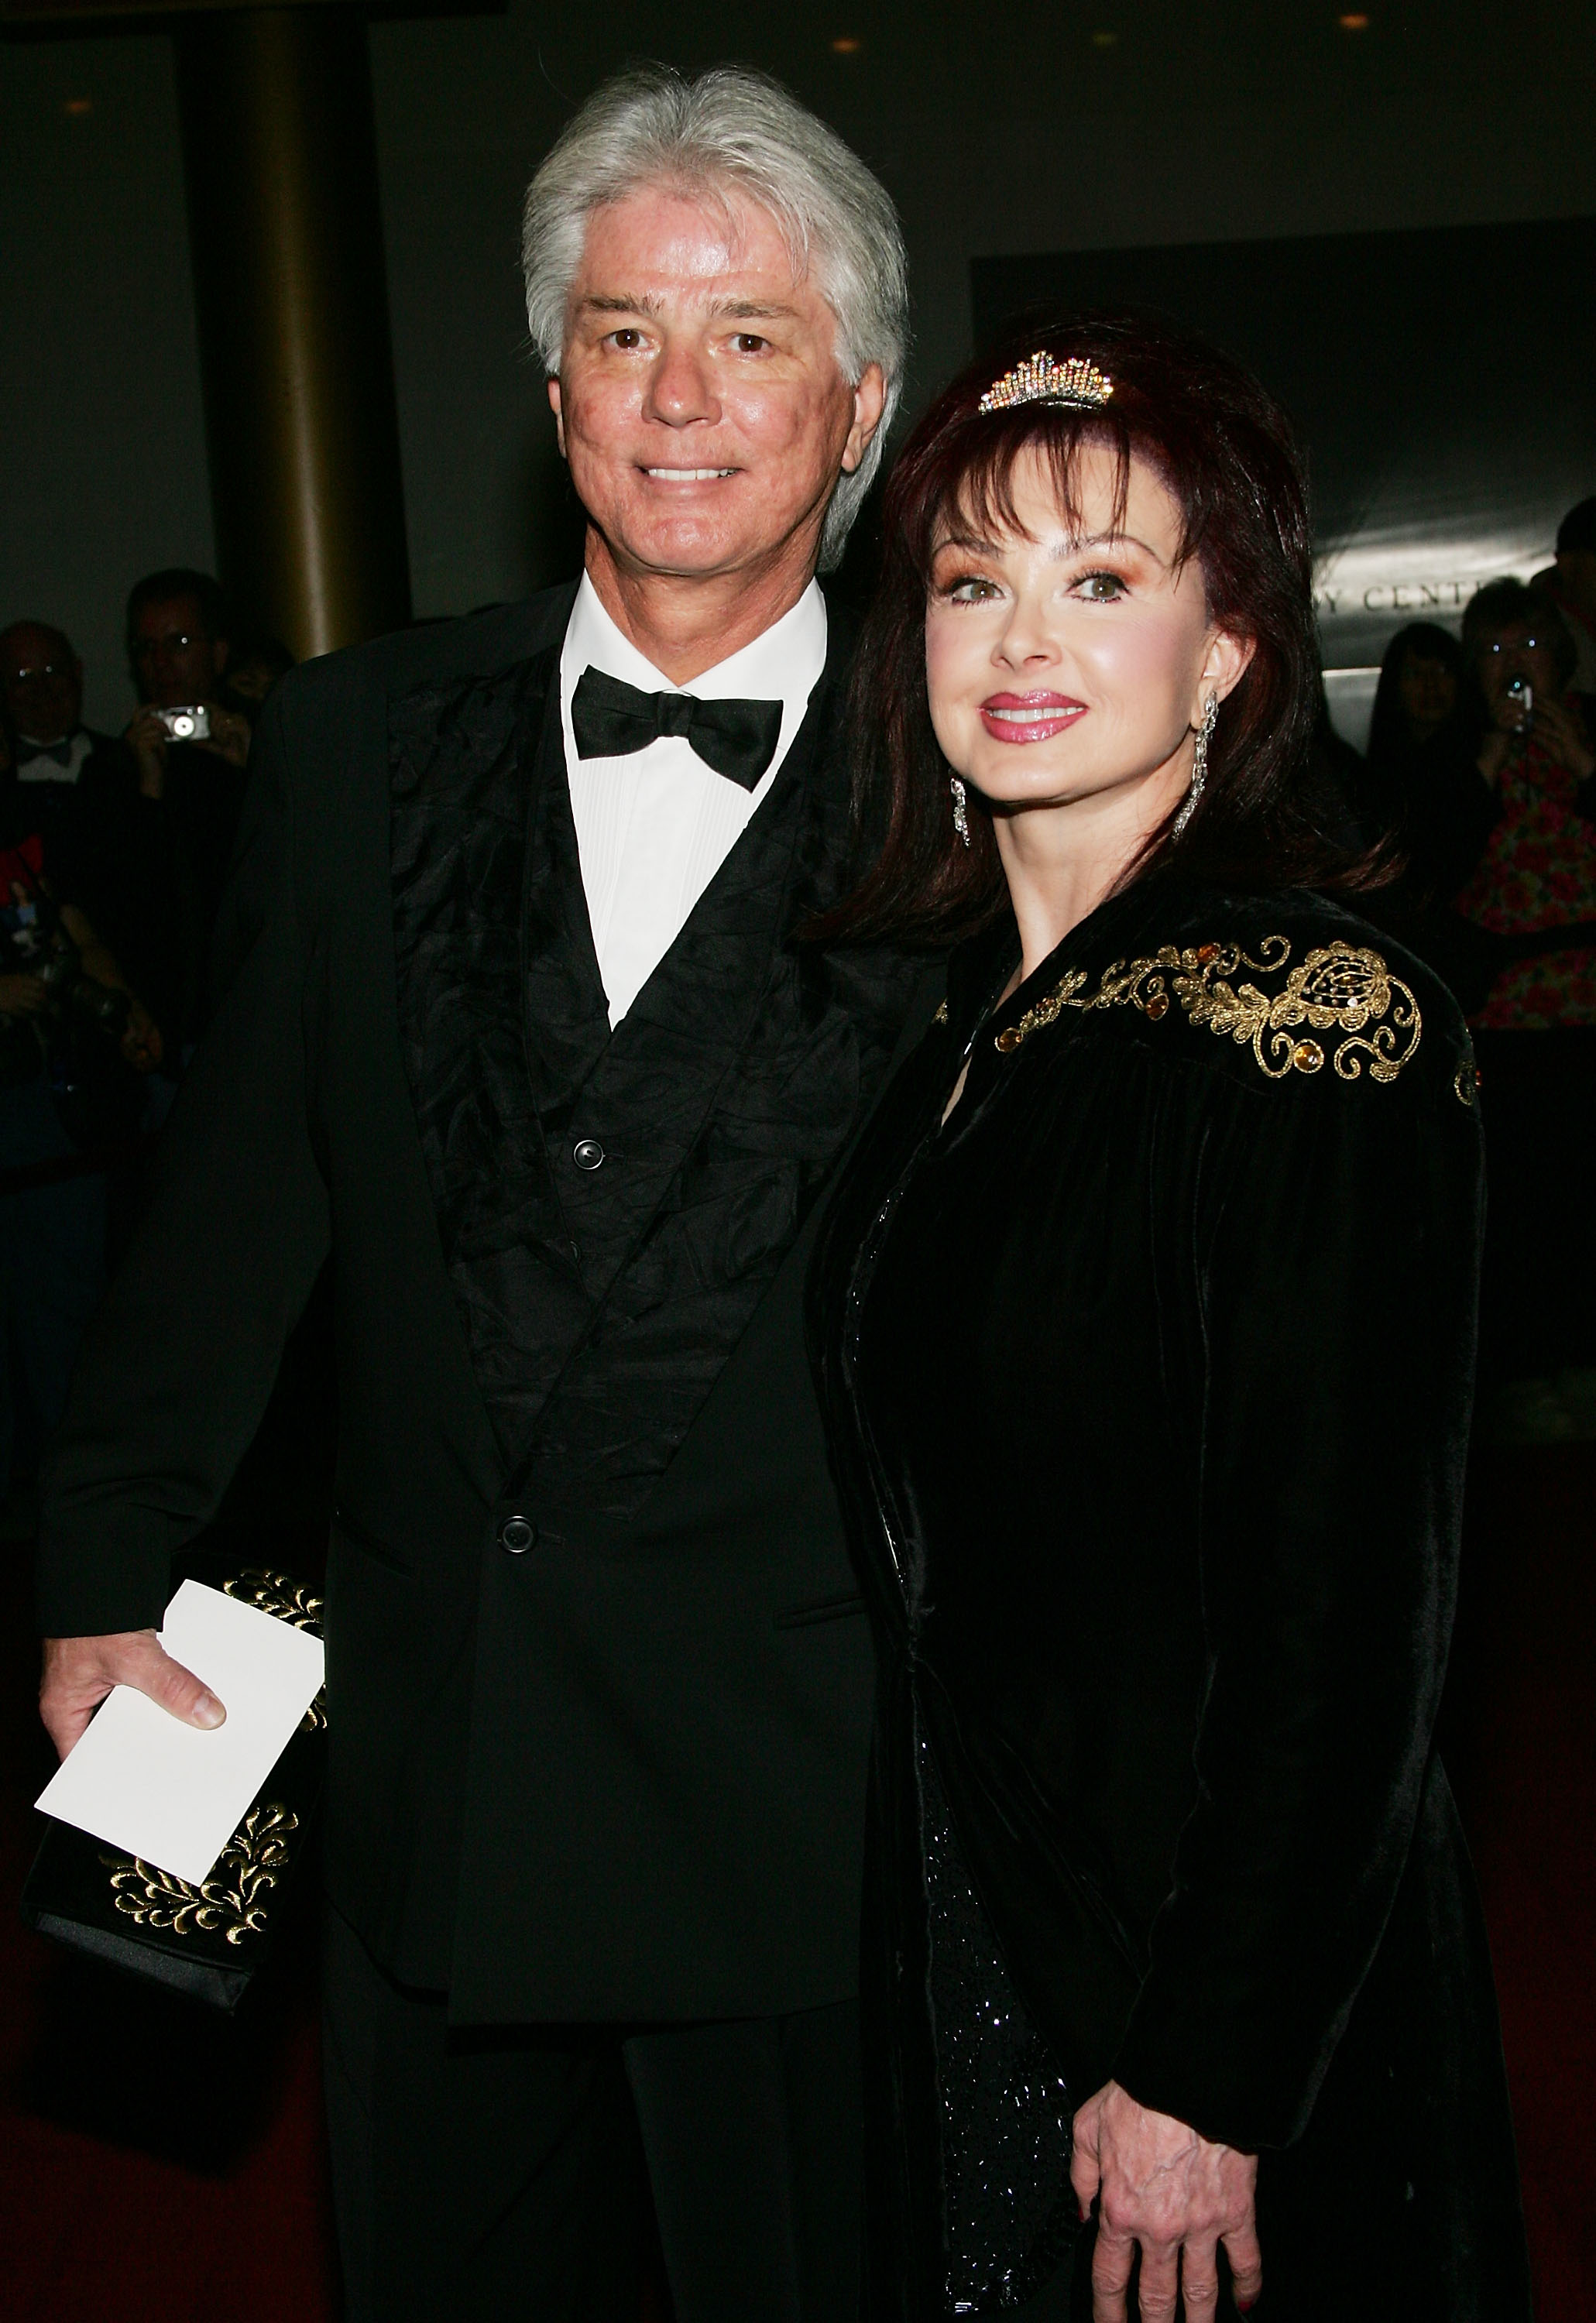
column 1521, row 695
column 189, row 724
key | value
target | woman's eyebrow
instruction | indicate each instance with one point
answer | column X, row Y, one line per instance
column 966, row 540
column 1105, row 540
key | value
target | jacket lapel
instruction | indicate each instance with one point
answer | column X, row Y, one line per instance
column 565, row 1013
column 482, row 845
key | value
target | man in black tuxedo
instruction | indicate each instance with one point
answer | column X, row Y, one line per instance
column 515, row 1023
column 191, row 792
column 76, row 786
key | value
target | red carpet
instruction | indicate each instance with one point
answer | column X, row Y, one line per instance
column 162, row 2168
column 1520, row 1739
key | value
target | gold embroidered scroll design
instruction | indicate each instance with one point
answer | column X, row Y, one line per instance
column 1339, row 988
column 285, row 1600
column 230, row 1902
column 275, row 1593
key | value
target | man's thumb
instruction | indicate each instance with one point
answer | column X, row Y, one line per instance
column 179, row 1692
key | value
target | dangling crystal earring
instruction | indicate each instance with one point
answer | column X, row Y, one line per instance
column 1199, row 763
column 961, row 822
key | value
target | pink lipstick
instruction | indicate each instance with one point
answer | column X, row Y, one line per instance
column 1028, row 717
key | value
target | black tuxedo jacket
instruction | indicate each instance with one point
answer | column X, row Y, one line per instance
column 619, row 1773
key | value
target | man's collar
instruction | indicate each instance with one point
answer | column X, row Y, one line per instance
column 783, row 664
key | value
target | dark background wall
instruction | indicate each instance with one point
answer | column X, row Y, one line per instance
column 1000, row 130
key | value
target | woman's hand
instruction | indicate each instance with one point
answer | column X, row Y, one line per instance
column 1563, row 735
column 1158, row 2184
column 1495, row 751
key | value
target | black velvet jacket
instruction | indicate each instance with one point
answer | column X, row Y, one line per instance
column 619, row 1774
column 1148, row 1378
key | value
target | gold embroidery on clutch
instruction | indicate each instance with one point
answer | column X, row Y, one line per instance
column 1340, row 987
column 253, row 1861
column 275, row 1593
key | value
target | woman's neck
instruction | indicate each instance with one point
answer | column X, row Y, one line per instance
column 1061, row 862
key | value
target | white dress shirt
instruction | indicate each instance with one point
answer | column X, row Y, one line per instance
column 654, row 827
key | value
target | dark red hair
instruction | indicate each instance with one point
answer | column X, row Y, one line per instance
column 1225, row 452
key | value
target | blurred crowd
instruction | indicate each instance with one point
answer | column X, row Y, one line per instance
column 1480, row 774
column 1477, row 791
column 114, row 850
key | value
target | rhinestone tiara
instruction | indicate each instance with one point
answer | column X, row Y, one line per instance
column 1077, row 384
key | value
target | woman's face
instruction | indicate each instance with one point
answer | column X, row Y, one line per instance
column 1428, row 693
column 1068, row 663
column 1510, row 652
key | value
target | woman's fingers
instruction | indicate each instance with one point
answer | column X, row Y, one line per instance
column 1199, row 2280
column 1085, row 2165
column 1112, row 2262
column 1158, row 2286
column 1246, row 2261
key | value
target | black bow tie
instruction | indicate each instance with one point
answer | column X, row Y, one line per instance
column 62, row 752
column 610, row 719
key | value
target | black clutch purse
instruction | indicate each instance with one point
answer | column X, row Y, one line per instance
column 209, row 1941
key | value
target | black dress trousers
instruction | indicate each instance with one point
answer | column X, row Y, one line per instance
column 506, row 2173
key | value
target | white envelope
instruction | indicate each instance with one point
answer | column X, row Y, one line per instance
column 156, row 1788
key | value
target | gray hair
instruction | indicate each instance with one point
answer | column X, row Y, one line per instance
column 732, row 131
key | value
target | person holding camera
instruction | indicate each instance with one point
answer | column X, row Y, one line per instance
column 179, row 645
column 191, row 748
column 82, row 786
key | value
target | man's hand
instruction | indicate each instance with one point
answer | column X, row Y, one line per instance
column 229, row 736
column 1161, row 2186
column 146, row 738
column 80, row 1673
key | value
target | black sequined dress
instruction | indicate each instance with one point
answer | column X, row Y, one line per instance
column 1009, row 2216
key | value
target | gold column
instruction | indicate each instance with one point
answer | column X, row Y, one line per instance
column 290, row 282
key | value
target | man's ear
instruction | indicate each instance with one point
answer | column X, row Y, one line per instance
column 869, row 402
column 555, row 406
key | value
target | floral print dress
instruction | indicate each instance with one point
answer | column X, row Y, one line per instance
column 1538, row 871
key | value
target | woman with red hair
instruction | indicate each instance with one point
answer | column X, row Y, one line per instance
column 1144, row 1318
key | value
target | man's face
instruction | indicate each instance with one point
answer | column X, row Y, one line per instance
column 42, row 681
column 175, row 658
column 700, row 401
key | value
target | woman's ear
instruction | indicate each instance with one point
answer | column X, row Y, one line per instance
column 1225, row 665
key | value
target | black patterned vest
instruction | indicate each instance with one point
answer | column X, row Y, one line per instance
column 614, row 1206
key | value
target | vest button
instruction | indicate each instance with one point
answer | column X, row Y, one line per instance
column 587, row 1153
column 516, row 1535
